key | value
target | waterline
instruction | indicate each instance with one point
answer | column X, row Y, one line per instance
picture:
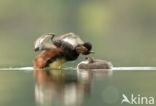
column 17, row 69
column 133, row 68
column 29, row 68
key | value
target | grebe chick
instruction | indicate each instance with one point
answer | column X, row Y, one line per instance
column 90, row 63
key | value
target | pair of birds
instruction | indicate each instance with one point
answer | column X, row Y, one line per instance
column 54, row 51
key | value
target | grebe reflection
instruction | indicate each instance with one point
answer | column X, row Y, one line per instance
column 60, row 88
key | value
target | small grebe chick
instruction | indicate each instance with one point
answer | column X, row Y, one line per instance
column 90, row 63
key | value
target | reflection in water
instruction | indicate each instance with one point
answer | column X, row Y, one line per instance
column 65, row 87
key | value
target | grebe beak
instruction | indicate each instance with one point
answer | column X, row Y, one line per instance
column 92, row 52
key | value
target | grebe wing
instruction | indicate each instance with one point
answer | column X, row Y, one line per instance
column 69, row 38
column 67, row 35
column 44, row 42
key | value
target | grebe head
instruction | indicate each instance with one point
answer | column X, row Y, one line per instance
column 44, row 42
column 88, row 45
column 85, row 49
column 89, row 59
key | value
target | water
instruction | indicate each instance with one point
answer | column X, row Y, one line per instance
column 71, row 68
column 26, row 87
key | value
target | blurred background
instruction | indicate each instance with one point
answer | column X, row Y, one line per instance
column 121, row 31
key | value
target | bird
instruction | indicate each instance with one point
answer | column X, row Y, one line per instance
column 60, row 49
column 91, row 63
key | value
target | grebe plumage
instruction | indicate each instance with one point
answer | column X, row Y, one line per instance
column 61, row 49
column 69, row 40
column 44, row 42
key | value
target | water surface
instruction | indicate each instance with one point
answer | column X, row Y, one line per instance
column 74, row 88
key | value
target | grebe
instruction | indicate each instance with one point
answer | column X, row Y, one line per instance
column 63, row 48
column 90, row 63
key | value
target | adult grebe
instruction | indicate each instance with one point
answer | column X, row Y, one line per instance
column 62, row 48
column 90, row 63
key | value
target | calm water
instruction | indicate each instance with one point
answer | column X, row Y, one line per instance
column 72, row 88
